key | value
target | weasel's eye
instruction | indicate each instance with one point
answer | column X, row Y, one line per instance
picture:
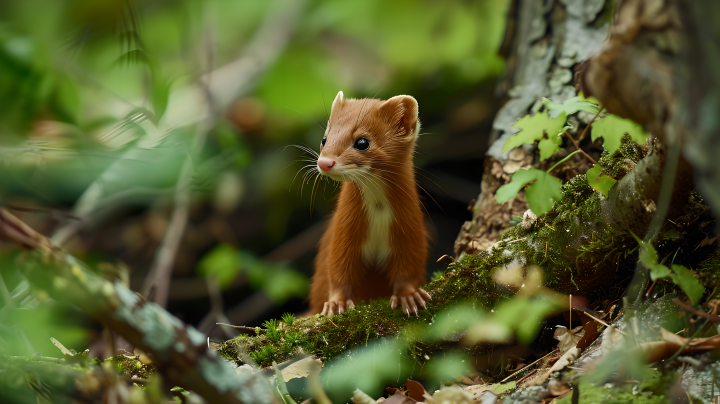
column 324, row 140
column 362, row 144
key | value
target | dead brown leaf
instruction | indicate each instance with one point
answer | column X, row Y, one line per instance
column 671, row 343
column 415, row 390
column 558, row 388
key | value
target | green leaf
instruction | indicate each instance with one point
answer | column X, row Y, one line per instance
column 684, row 278
column 502, row 387
column 533, row 128
column 160, row 95
column 612, row 128
column 549, row 146
column 648, row 255
column 282, row 283
column 448, row 365
column 221, row 262
column 681, row 276
column 599, row 181
column 540, row 195
column 533, row 317
column 517, row 182
column 543, row 193
column 659, row 271
column 453, row 321
column 569, row 107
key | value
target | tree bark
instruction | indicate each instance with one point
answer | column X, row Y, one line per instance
column 544, row 43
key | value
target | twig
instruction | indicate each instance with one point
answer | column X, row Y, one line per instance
column 526, row 376
column 579, row 149
column 679, row 351
column 582, row 135
column 242, row 328
column 604, row 323
column 216, row 309
column 710, row 317
column 225, row 84
column 161, row 270
column 650, row 289
column 521, row 370
column 180, row 357
column 513, row 241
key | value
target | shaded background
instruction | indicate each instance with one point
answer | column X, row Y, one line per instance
column 84, row 85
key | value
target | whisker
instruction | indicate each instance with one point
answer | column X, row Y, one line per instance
column 296, row 174
column 312, row 194
column 303, row 148
column 308, row 175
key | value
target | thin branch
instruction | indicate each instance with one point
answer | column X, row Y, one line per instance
column 179, row 350
column 578, row 147
column 161, row 270
column 187, row 106
column 710, row 317
column 582, row 136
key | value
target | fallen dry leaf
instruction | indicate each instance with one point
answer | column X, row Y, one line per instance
column 558, row 388
column 567, row 358
column 450, row 395
column 568, row 339
column 671, row 343
column 301, row 368
column 591, row 331
column 415, row 390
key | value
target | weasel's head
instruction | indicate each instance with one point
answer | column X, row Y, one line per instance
column 368, row 136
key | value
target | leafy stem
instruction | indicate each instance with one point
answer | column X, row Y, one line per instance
column 564, row 160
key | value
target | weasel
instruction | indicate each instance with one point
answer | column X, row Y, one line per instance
column 375, row 245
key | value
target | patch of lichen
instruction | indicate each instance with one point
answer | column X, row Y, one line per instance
column 468, row 279
column 624, row 159
column 132, row 366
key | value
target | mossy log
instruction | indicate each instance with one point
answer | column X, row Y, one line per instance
column 579, row 251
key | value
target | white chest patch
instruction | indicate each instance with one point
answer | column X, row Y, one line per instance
column 376, row 248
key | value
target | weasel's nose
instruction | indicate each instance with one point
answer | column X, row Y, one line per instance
column 325, row 163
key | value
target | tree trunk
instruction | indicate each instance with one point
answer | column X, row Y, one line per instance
column 543, row 44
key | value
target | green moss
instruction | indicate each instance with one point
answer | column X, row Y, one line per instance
column 624, row 159
column 651, row 391
column 468, row 279
column 570, row 243
column 132, row 366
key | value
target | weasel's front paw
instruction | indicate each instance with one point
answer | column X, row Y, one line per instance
column 409, row 298
column 337, row 307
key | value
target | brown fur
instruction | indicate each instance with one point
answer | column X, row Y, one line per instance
column 341, row 271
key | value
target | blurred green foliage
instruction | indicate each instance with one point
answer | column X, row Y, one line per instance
column 277, row 280
column 86, row 87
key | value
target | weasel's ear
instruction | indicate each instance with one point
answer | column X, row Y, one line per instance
column 338, row 101
column 401, row 112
